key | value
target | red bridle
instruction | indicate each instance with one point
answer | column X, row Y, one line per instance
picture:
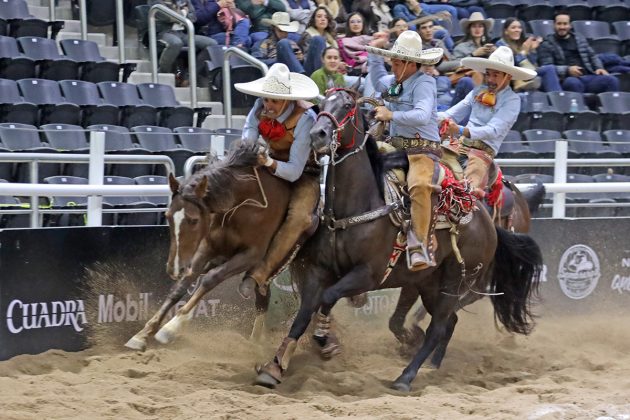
column 349, row 117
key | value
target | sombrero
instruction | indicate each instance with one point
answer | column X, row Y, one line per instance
column 501, row 59
column 474, row 18
column 280, row 83
column 282, row 21
column 408, row 47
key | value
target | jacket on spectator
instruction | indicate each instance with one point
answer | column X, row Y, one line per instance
column 207, row 15
column 300, row 10
column 550, row 52
column 258, row 12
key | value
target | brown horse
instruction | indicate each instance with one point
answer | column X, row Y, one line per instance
column 349, row 253
column 221, row 221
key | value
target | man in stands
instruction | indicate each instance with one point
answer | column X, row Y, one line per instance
column 575, row 60
column 492, row 109
column 283, row 119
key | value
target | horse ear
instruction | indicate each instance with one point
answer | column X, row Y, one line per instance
column 355, row 87
column 172, row 182
column 200, row 189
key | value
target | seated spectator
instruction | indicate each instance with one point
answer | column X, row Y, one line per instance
column 476, row 43
column 575, row 61
column 259, row 12
column 377, row 14
column 525, row 55
column 278, row 48
column 352, row 45
column 207, row 15
column 426, row 31
column 175, row 37
column 319, row 34
column 335, row 8
column 300, row 11
column 466, row 8
column 397, row 27
column 328, row 76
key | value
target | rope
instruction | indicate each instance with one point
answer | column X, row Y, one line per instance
column 248, row 201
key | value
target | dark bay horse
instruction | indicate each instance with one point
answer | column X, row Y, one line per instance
column 349, row 253
column 221, row 221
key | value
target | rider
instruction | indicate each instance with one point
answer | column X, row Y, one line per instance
column 410, row 107
column 283, row 119
column 492, row 107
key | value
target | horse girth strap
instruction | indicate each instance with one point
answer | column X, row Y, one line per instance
column 342, row 224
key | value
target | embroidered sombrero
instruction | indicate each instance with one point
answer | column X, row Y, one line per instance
column 280, row 83
column 408, row 47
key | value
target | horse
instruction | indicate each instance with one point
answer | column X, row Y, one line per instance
column 350, row 251
column 221, row 222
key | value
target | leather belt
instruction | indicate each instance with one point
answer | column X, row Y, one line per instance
column 479, row 145
column 404, row 143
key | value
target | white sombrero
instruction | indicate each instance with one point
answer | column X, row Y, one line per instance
column 408, row 47
column 282, row 21
column 280, row 83
column 501, row 59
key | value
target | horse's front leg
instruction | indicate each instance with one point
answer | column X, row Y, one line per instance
column 358, row 280
column 410, row 339
column 235, row 265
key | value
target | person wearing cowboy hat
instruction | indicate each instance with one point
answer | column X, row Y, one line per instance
column 283, row 119
column 410, row 108
column 492, row 109
column 279, row 48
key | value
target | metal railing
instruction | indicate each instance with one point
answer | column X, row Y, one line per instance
column 192, row 58
column 120, row 31
column 227, row 78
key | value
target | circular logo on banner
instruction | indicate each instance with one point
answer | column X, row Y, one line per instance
column 579, row 271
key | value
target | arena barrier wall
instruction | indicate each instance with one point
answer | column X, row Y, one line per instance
column 68, row 288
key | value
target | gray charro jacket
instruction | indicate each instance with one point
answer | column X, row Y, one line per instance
column 550, row 52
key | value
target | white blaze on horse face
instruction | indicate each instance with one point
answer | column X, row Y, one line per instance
column 178, row 216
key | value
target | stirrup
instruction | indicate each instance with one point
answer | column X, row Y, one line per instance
column 418, row 258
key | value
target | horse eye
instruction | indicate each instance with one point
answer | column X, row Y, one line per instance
column 348, row 106
column 193, row 222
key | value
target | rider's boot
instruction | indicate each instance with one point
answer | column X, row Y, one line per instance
column 477, row 171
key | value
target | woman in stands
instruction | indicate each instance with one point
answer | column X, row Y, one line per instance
column 319, row 34
column 524, row 49
column 336, row 9
column 329, row 76
column 352, row 45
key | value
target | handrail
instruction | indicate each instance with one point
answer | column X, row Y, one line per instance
column 192, row 58
column 120, row 31
column 51, row 11
column 83, row 19
column 227, row 78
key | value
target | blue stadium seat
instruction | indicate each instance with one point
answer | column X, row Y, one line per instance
column 134, row 110
column 13, row 107
column 47, row 95
column 51, row 64
column 86, row 96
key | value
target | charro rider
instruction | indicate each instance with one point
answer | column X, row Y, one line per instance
column 492, row 107
column 283, row 119
column 410, row 107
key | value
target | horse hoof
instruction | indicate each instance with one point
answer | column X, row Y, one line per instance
column 246, row 288
column 330, row 350
column 401, row 386
column 266, row 380
column 164, row 336
column 136, row 344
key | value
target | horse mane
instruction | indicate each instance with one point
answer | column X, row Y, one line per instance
column 222, row 175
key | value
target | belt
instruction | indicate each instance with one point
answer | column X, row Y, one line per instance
column 479, row 145
column 409, row 143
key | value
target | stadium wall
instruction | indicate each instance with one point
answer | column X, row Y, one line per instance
column 69, row 288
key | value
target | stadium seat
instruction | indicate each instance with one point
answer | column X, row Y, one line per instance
column 531, row 11
column 579, row 10
column 591, row 29
column 619, row 197
column 584, row 119
column 541, row 27
column 20, row 22
column 619, row 140
column 13, row 64
column 68, row 138
column 13, row 107
column 500, row 9
column 134, row 110
column 592, row 198
column 588, row 144
column 25, row 138
column 171, row 113
column 158, row 201
column 93, row 67
column 615, row 108
column 622, row 30
column 47, row 95
column 241, row 103
column 194, row 138
column 161, row 140
column 613, row 12
column 606, row 45
column 497, row 29
column 51, row 64
column 123, row 203
column 544, row 143
column 59, row 202
column 86, row 96
column 231, row 135
column 118, row 141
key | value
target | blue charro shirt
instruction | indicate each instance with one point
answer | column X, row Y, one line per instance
column 301, row 147
column 415, row 109
column 488, row 124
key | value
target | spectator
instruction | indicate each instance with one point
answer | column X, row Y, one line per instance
column 328, row 76
column 443, row 85
column 319, row 34
column 278, row 48
column 476, row 43
column 352, row 45
column 175, row 38
column 258, row 10
column 397, row 27
column 466, row 8
column 525, row 55
column 301, row 11
column 335, row 8
column 574, row 59
column 426, row 30
column 207, row 15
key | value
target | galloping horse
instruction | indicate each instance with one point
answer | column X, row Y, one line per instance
column 350, row 251
column 221, row 221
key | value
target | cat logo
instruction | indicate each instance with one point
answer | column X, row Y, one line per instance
column 579, row 271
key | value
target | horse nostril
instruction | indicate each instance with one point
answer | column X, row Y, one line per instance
column 322, row 134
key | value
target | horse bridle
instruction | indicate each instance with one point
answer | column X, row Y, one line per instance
column 349, row 118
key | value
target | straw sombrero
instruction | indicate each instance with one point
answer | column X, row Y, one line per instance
column 408, row 47
column 474, row 18
column 280, row 83
column 501, row 59
column 282, row 21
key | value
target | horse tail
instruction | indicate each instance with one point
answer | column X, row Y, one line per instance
column 517, row 265
column 534, row 197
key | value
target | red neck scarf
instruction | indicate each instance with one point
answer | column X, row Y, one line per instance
column 271, row 130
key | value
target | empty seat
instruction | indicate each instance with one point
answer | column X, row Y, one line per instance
column 53, row 106
column 122, row 203
column 135, row 111
column 619, row 140
column 613, row 12
column 161, row 140
column 52, row 65
column 591, row 28
column 500, row 9
column 542, row 141
column 615, row 107
column 68, row 138
column 25, row 138
column 541, row 27
column 158, row 201
column 619, row 197
column 93, row 67
column 59, row 202
column 592, row 198
column 579, row 10
column 171, row 113
column 195, row 138
column 587, row 143
column 118, row 141
column 606, row 45
column 535, row 11
column 22, row 23
column 584, row 118
column 13, row 107
column 93, row 109
column 13, row 64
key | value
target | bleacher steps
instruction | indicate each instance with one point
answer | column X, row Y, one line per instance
column 214, row 122
column 182, row 94
column 142, row 77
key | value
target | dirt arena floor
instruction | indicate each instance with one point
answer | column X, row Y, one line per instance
column 569, row 368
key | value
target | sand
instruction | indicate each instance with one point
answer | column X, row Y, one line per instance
column 574, row 367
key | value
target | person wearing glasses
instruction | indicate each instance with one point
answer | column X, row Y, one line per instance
column 492, row 109
column 410, row 109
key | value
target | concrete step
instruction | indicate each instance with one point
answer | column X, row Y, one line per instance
column 214, row 122
column 43, row 12
column 182, row 94
column 140, row 77
column 131, row 54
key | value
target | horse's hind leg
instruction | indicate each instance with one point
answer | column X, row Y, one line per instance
column 235, row 265
column 410, row 339
column 262, row 304
column 440, row 351
column 178, row 290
